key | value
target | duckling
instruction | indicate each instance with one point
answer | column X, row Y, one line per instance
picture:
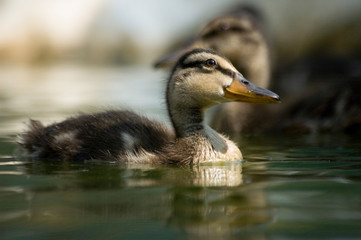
column 200, row 78
column 240, row 37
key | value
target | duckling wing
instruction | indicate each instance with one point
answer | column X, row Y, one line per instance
column 108, row 136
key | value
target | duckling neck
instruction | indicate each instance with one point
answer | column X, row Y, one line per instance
column 187, row 121
column 190, row 121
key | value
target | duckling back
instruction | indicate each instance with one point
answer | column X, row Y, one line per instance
column 108, row 135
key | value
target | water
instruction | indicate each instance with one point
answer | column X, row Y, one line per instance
column 304, row 187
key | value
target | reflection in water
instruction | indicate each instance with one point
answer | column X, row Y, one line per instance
column 204, row 201
column 278, row 192
column 229, row 174
column 218, row 212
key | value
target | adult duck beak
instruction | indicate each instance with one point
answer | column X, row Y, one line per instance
column 242, row 90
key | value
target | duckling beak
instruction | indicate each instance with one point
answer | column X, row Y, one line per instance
column 242, row 90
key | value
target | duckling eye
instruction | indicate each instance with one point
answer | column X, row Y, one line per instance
column 211, row 62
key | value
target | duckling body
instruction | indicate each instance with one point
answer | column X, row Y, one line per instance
column 238, row 36
column 102, row 135
column 124, row 136
column 201, row 78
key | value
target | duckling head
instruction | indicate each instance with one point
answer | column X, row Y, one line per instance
column 202, row 78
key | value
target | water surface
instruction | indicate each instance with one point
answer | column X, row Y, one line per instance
column 305, row 187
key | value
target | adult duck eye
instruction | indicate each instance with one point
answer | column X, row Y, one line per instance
column 211, row 62
column 224, row 26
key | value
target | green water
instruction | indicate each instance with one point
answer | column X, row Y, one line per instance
column 306, row 187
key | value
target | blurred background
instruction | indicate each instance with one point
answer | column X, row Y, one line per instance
column 132, row 32
column 58, row 58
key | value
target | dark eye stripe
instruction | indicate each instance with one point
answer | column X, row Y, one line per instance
column 217, row 31
column 226, row 72
column 192, row 64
